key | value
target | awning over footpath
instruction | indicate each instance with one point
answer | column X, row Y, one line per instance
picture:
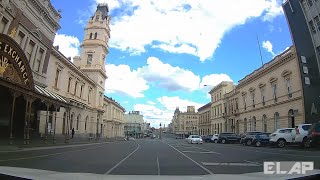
column 50, row 94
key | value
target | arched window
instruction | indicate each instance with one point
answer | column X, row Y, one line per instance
column 237, row 127
column 264, row 123
column 276, row 121
column 250, row 125
column 90, row 36
column 85, row 124
column 78, row 121
column 95, row 35
column 254, row 123
column 71, row 121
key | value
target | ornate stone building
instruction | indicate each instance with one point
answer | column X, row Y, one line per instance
column 44, row 94
column 186, row 122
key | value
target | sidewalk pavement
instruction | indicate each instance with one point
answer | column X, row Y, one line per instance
column 60, row 142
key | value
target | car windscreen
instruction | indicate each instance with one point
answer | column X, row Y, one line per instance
column 306, row 127
column 195, row 136
column 263, row 135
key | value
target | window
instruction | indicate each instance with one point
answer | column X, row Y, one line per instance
column 264, row 123
column 252, row 97
column 3, row 24
column 29, row 50
column 244, row 102
column 95, row 35
column 245, row 125
column 317, row 20
column 81, row 89
column 56, row 79
column 97, row 17
column 90, row 36
column 274, row 90
column 89, row 59
column 276, row 120
column 69, row 84
column 313, row 29
column 310, row 3
column 289, row 89
column 85, row 124
column 78, row 121
column 89, row 95
column 20, row 38
column 263, row 92
column 38, row 60
column 75, row 88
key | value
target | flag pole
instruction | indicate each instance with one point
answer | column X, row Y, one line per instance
column 260, row 51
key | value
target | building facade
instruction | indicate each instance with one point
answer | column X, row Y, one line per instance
column 304, row 24
column 271, row 97
column 217, row 121
column 186, row 122
column 113, row 118
column 204, row 119
column 133, row 124
column 43, row 102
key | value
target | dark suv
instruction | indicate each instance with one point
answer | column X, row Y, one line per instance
column 247, row 138
column 227, row 137
column 313, row 138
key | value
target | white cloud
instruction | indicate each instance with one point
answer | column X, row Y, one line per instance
column 274, row 9
column 169, row 77
column 212, row 80
column 151, row 102
column 268, row 46
column 122, row 79
column 68, row 45
column 182, row 26
column 156, row 115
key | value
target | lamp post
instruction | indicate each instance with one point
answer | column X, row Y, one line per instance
column 160, row 131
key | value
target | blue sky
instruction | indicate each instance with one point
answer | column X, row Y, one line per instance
column 163, row 52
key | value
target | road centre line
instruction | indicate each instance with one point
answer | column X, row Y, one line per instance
column 46, row 155
column 115, row 166
column 201, row 152
column 158, row 166
column 190, row 159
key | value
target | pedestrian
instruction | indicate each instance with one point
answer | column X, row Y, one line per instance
column 72, row 133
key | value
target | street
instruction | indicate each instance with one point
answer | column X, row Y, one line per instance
column 166, row 156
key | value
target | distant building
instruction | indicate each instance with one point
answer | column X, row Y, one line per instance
column 186, row 122
column 133, row 124
column 113, row 118
column 204, row 119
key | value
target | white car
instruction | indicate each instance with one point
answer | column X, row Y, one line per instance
column 215, row 138
column 194, row 139
column 301, row 133
column 282, row 136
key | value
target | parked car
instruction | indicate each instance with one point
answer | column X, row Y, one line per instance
column 194, row 139
column 247, row 138
column 261, row 139
column 207, row 138
column 302, row 131
column 282, row 137
column 227, row 137
column 313, row 138
column 179, row 136
column 215, row 138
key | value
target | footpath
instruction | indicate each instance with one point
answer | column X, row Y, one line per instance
column 60, row 142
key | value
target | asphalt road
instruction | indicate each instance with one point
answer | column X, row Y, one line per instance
column 167, row 156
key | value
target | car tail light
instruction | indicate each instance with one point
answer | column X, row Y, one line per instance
column 314, row 133
column 297, row 131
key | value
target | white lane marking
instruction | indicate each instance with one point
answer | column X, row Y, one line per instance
column 202, row 152
column 253, row 162
column 190, row 159
column 108, row 172
column 158, row 166
column 229, row 164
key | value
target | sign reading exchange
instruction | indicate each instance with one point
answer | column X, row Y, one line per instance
column 14, row 66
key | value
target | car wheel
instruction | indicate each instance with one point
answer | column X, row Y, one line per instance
column 258, row 143
column 223, row 141
column 281, row 143
column 249, row 142
column 215, row 141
